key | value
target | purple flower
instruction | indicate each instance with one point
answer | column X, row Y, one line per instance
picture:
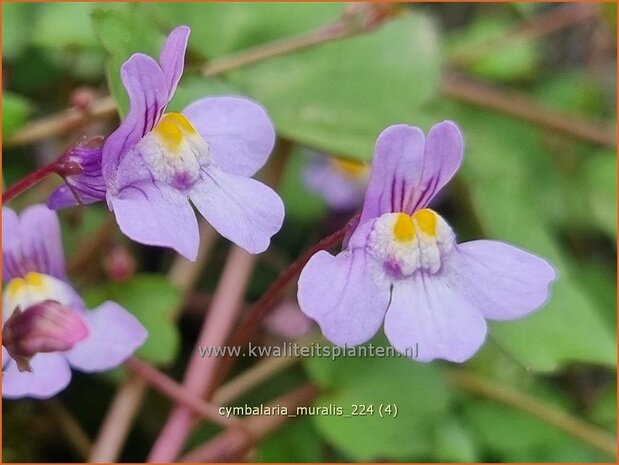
column 52, row 330
column 81, row 168
column 156, row 162
column 341, row 183
column 402, row 264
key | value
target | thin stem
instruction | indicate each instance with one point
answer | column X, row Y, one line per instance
column 27, row 182
column 526, row 108
column 118, row 420
column 178, row 393
column 182, row 274
column 76, row 436
column 233, row 444
column 574, row 426
column 227, row 302
column 264, row 305
column 60, row 123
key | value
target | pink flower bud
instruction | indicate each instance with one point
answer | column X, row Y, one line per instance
column 44, row 327
column 118, row 263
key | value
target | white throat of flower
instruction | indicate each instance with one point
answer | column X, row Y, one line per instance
column 32, row 289
column 404, row 244
column 174, row 151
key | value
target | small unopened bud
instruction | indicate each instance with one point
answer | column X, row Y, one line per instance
column 118, row 263
column 44, row 327
column 82, row 97
column 80, row 166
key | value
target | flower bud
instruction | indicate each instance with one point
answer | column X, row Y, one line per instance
column 119, row 264
column 44, row 327
column 80, row 166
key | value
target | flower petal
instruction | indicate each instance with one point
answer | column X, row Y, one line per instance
column 395, row 172
column 157, row 214
column 32, row 243
column 427, row 320
column 147, row 88
column 114, row 335
column 408, row 172
column 172, row 57
column 502, row 281
column 241, row 209
column 50, row 374
column 340, row 191
column 238, row 131
column 62, row 197
column 341, row 295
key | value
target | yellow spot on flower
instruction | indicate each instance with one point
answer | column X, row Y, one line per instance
column 404, row 229
column 15, row 285
column 172, row 129
column 349, row 167
column 426, row 219
column 35, row 280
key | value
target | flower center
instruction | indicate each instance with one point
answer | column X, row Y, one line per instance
column 404, row 244
column 174, row 151
column 31, row 289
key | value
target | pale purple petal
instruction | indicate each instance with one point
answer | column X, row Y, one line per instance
column 50, row 374
column 441, row 159
column 148, row 96
column 114, row 335
column 340, row 294
column 32, row 243
column 502, row 281
column 172, row 57
column 241, row 209
column 239, row 133
column 12, row 256
column 157, row 214
column 340, row 191
column 396, row 170
column 63, row 197
column 408, row 172
column 427, row 320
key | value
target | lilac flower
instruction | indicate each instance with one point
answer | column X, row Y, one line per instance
column 402, row 264
column 156, row 162
column 46, row 327
column 341, row 183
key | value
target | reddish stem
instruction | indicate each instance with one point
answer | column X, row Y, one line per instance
column 262, row 306
column 30, row 180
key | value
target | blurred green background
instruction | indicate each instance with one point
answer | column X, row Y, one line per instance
column 551, row 192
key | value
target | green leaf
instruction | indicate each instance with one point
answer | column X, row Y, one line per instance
column 337, row 97
column 152, row 299
column 598, row 173
column 15, row 112
column 298, row 442
column 64, row 25
column 514, row 187
column 515, row 60
column 219, row 29
column 454, row 442
column 420, row 392
column 16, row 18
column 316, row 96
column 123, row 33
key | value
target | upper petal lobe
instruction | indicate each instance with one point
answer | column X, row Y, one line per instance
column 32, row 242
column 238, row 131
column 172, row 57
